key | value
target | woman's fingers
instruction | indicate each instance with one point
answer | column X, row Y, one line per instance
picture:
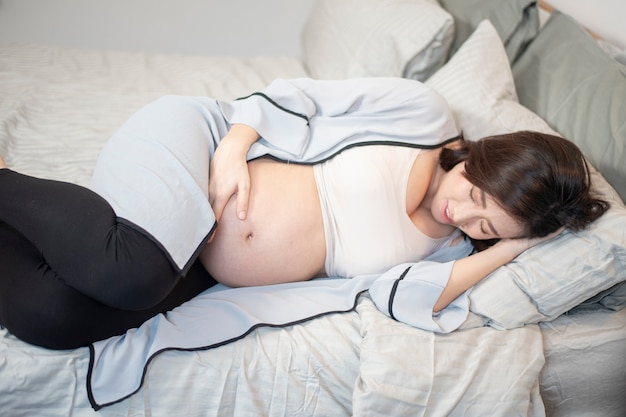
column 220, row 195
column 243, row 197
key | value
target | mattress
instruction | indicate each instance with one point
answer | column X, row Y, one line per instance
column 55, row 120
column 582, row 348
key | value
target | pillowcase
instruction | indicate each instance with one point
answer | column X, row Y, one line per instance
column 516, row 21
column 550, row 279
column 612, row 299
column 478, row 84
column 354, row 38
column 580, row 90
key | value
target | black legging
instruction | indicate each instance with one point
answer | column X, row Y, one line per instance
column 71, row 272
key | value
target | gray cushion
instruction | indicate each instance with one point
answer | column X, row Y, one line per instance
column 566, row 78
column 358, row 38
column 516, row 21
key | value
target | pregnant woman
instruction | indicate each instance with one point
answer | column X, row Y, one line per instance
column 275, row 187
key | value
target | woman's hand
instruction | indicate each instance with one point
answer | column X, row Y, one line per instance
column 228, row 173
column 468, row 271
column 517, row 246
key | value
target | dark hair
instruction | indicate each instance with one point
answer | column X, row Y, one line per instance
column 541, row 180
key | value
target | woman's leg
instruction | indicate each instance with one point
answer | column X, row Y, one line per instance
column 81, row 239
column 38, row 306
column 69, row 265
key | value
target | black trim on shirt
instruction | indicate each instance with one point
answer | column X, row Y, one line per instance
column 303, row 116
column 92, row 352
column 354, row 145
column 394, row 289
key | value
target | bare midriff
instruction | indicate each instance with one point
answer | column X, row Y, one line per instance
column 281, row 239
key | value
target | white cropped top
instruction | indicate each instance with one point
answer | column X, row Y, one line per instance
column 363, row 197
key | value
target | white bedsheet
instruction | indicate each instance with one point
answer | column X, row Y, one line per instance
column 302, row 370
column 219, row 315
column 582, row 349
column 359, row 363
column 58, row 106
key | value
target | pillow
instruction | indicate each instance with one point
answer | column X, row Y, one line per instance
column 612, row 299
column 580, row 90
column 478, row 84
column 516, row 21
column 550, row 279
column 354, row 38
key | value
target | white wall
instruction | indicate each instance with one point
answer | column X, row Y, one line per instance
column 606, row 18
column 228, row 27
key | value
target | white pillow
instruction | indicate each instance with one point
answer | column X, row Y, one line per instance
column 478, row 84
column 355, row 38
column 550, row 279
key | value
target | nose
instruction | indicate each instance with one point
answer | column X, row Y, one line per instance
column 466, row 214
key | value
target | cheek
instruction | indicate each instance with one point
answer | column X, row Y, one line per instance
column 508, row 227
column 456, row 187
column 474, row 233
column 436, row 205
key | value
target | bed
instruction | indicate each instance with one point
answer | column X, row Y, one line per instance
column 546, row 334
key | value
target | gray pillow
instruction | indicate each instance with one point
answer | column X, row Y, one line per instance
column 516, row 21
column 360, row 38
column 573, row 84
column 613, row 299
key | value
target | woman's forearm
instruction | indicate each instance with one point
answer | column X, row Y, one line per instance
column 306, row 120
column 241, row 137
column 467, row 272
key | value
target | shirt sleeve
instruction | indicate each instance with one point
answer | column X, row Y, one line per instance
column 306, row 120
column 408, row 293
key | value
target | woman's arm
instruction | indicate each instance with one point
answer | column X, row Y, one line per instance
column 305, row 120
column 432, row 294
column 468, row 271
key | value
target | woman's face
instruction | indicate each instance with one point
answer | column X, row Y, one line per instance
column 459, row 203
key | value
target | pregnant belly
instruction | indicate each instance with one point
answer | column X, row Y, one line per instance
column 282, row 238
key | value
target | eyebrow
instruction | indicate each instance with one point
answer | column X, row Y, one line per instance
column 483, row 200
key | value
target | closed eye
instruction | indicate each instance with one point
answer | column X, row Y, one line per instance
column 483, row 203
column 483, row 197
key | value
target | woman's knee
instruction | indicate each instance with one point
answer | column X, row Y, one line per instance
column 129, row 271
column 43, row 330
column 43, row 317
column 133, row 286
column 138, row 290
column 55, row 316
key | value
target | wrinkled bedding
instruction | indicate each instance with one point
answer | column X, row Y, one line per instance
column 58, row 106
